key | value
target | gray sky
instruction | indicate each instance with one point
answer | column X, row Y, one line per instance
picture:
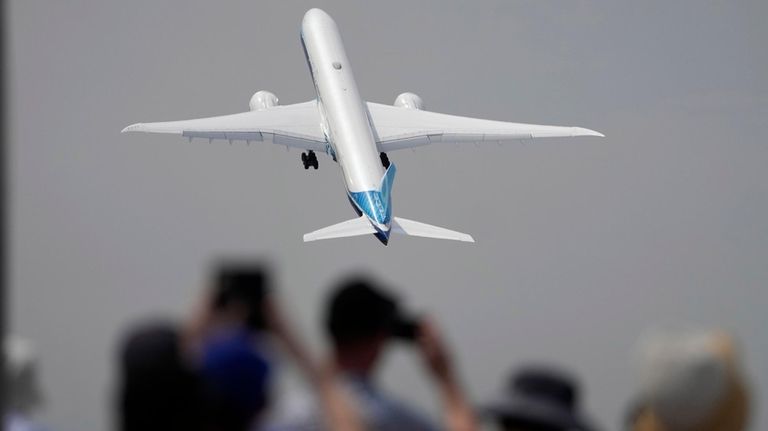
column 581, row 244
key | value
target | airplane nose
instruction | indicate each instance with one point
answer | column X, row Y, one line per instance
column 315, row 15
column 315, row 12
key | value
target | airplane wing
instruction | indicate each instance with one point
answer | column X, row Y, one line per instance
column 296, row 125
column 397, row 128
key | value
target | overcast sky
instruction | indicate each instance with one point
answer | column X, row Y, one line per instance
column 581, row 243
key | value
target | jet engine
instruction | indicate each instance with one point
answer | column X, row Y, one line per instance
column 262, row 100
column 409, row 101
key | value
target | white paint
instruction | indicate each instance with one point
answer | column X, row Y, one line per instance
column 345, row 115
column 339, row 122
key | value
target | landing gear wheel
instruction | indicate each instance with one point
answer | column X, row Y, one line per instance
column 309, row 159
column 384, row 160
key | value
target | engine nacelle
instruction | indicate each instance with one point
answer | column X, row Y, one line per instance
column 262, row 100
column 409, row 101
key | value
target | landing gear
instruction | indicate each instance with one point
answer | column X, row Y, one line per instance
column 309, row 159
column 384, row 160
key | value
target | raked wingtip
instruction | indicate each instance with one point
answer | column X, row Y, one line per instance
column 131, row 128
column 581, row 131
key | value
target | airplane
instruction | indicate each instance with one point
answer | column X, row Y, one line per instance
column 355, row 134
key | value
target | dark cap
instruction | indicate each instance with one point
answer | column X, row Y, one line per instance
column 359, row 309
column 541, row 399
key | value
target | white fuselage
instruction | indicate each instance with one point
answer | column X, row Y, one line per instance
column 355, row 133
column 344, row 115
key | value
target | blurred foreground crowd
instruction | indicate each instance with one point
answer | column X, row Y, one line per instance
column 214, row 370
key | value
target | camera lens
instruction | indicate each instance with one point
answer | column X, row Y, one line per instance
column 406, row 329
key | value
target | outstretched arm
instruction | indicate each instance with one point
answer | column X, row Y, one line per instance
column 338, row 411
column 457, row 413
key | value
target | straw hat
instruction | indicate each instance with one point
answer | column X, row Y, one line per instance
column 690, row 381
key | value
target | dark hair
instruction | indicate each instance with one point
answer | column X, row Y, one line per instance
column 246, row 284
column 157, row 388
column 359, row 309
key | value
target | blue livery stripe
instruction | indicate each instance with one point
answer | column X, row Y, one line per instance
column 377, row 204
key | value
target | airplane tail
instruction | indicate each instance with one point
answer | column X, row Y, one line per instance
column 362, row 226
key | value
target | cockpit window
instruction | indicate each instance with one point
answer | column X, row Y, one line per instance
column 337, row 65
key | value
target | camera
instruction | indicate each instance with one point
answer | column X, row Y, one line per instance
column 406, row 328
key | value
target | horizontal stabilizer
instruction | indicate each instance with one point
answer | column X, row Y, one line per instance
column 354, row 227
column 414, row 228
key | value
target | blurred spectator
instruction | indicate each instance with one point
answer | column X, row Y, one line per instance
column 690, row 381
column 179, row 376
column 22, row 390
column 160, row 389
column 238, row 298
column 236, row 376
column 211, row 372
column 362, row 320
column 539, row 399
